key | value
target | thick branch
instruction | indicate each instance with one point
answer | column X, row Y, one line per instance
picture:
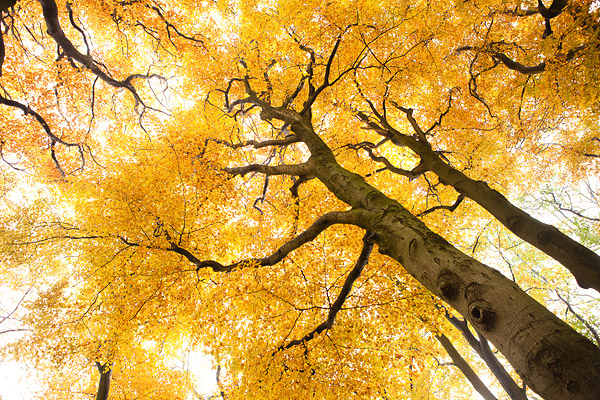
column 522, row 68
column 362, row 261
column 50, row 12
column 554, row 10
column 583, row 263
column 325, row 221
column 297, row 169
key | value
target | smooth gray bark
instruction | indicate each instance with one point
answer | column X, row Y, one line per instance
column 556, row 362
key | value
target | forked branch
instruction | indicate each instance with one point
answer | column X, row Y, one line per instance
column 50, row 12
column 53, row 138
column 583, row 263
column 350, row 217
column 450, row 208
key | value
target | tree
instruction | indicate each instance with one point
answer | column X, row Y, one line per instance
column 293, row 138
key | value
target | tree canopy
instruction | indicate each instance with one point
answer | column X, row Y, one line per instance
column 327, row 198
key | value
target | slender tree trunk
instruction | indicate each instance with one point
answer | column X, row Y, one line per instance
column 104, row 384
column 556, row 362
column 465, row 368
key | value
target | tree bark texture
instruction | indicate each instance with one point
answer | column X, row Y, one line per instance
column 582, row 262
column 556, row 362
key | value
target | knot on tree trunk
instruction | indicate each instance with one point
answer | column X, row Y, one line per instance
column 482, row 315
column 449, row 283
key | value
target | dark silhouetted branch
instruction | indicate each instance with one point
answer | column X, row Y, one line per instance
column 362, row 261
column 465, row 368
column 297, row 169
column 105, row 371
column 451, row 208
column 580, row 318
column 350, row 217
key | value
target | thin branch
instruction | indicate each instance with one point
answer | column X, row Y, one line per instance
column 571, row 210
column 362, row 261
column 263, row 196
column 450, row 208
column 350, row 217
column 50, row 12
column 290, row 139
column 15, row 330
column 12, row 165
column 314, row 93
column 51, row 238
column 7, row 316
column 442, row 115
column 28, row 111
column 296, row 169
column 580, row 318
column 172, row 27
column 412, row 174
column 72, row 20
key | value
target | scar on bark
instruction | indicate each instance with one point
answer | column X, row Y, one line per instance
column 481, row 313
column 449, row 283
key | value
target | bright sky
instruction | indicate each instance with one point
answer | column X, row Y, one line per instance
column 15, row 381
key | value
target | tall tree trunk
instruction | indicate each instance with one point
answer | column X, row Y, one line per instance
column 556, row 362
